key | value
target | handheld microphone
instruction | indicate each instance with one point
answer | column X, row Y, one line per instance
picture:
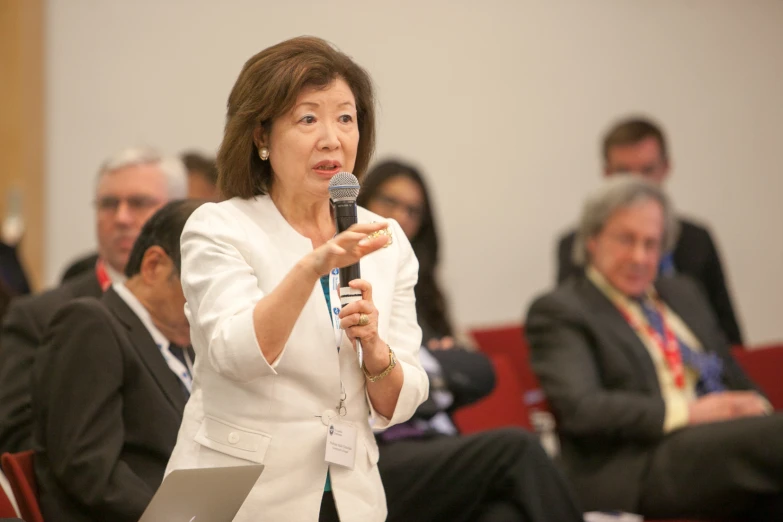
column 343, row 191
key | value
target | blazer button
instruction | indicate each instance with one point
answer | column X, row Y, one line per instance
column 233, row 437
column 327, row 416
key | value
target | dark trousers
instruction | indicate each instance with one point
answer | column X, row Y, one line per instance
column 723, row 470
column 500, row 475
column 328, row 509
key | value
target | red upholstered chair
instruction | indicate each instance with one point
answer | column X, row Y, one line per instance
column 503, row 407
column 764, row 365
column 6, row 507
column 18, row 468
column 511, row 341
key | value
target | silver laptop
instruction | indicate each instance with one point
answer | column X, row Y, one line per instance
column 202, row 495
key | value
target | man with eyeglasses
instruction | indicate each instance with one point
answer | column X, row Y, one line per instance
column 654, row 414
column 131, row 186
column 638, row 146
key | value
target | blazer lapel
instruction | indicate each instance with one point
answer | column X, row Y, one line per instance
column 689, row 316
column 612, row 321
column 148, row 351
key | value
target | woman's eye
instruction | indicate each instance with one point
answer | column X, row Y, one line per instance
column 308, row 119
column 346, row 118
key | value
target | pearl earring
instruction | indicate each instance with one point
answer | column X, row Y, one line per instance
column 263, row 153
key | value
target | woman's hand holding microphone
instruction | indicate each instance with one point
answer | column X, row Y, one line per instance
column 360, row 318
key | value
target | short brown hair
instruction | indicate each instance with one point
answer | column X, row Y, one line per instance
column 267, row 88
column 632, row 131
column 204, row 165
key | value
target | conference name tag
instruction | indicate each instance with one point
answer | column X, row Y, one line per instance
column 341, row 444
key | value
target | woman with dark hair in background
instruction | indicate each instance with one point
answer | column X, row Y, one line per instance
column 397, row 190
column 430, row 471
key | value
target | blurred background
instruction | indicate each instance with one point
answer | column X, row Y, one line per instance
column 502, row 104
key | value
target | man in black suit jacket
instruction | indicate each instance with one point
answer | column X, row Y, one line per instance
column 432, row 473
column 21, row 336
column 110, row 384
column 654, row 414
column 638, row 146
column 131, row 186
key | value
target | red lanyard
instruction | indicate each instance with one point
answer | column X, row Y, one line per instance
column 669, row 346
column 102, row 275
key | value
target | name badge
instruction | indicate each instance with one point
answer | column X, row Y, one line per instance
column 341, row 444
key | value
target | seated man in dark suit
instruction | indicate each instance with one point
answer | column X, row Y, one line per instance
column 654, row 414
column 131, row 186
column 110, row 384
column 638, row 146
column 431, row 473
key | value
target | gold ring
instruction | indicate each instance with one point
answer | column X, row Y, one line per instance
column 364, row 319
column 383, row 232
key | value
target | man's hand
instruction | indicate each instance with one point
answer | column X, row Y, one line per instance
column 722, row 406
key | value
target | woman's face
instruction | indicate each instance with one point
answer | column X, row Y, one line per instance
column 400, row 198
column 314, row 141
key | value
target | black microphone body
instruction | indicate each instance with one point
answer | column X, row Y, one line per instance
column 343, row 190
column 345, row 216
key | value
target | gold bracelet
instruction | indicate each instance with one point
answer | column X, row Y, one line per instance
column 384, row 373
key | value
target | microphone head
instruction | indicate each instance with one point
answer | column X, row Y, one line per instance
column 343, row 187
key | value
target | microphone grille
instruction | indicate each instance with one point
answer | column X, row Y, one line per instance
column 343, row 187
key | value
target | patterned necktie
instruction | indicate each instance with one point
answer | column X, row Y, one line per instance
column 179, row 352
column 708, row 366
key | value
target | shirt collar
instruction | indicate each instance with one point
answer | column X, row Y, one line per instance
column 614, row 295
column 114, row 275
column 142, row 313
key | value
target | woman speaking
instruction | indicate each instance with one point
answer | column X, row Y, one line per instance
column 277, row 379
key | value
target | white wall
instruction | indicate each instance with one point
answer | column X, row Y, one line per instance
column 501, row 102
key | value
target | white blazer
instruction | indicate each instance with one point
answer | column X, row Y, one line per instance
column 244, row 410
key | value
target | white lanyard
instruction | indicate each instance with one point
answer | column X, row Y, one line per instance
column 334, row 300
column 335, row 307
column 183, row 372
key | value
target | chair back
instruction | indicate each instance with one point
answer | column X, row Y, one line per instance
column 19, row 470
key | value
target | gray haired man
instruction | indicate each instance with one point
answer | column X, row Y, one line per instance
column 654, row 414
column 131, row 185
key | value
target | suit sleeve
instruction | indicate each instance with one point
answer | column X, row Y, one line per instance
column 19, row 340
column 718, row 293
column 563, row 358
column 469, row 375
column 221, row 291
column 79, row 379
column 404, row 337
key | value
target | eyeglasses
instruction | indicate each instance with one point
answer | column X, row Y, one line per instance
column 648, row 170
column 136, row 204
column 414, row 211
column 630, row 241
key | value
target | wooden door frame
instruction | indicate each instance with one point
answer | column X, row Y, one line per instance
column 22, row 131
